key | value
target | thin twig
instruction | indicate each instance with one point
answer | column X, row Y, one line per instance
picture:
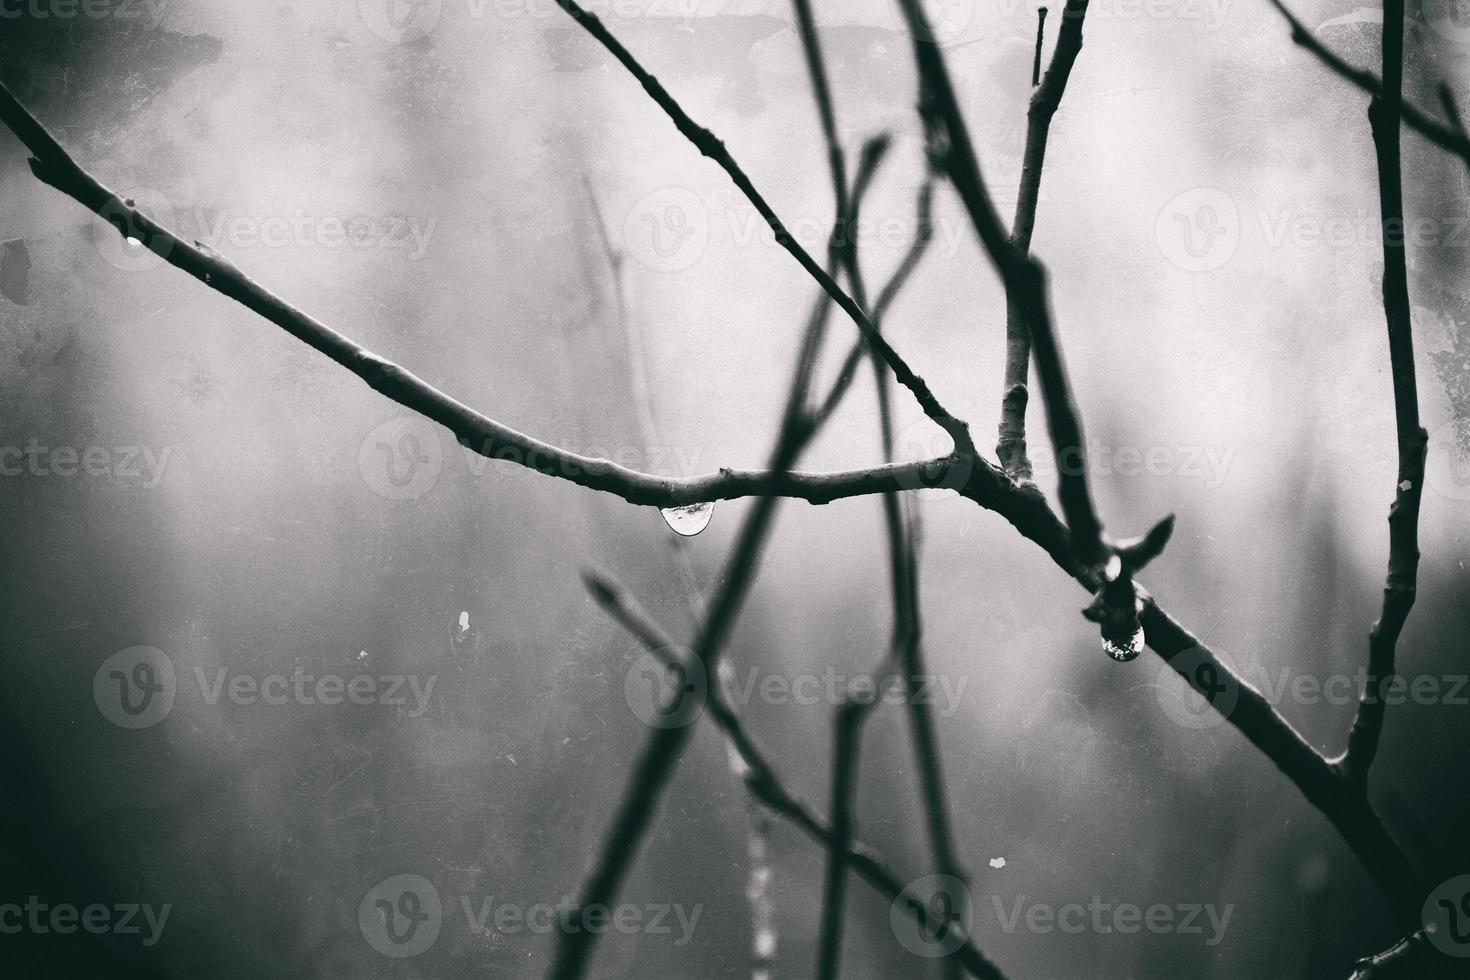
column 924, row 235
column 953, row 153
column 632, row 333
column 1399, row 591
column 811, row 45
column 764, row 781
column 476, row 432
column 1411, row 958
column 1040, row 36
column 846, row 749
column 655, row 764
column 1245, row 708
column 902, row 554
column 1025, row 508
column 1451, row 110
column 711, row 146
column 760, row 873
column 1114, row 606
column 1449, row 138
column 1045, row 100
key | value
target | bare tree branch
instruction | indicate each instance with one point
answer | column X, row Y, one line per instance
column 846, row 749
column 711, row 146
column 903, row 560
column 660, row 753
column 631, row 330
column 924, row 235
column 1449, row 138
column 1040, row 37
column 954, row 155
column 760, row 873
column 1411, row 958
column 811, row 46
column 656, row 762
column 475, row 431
column 1236, row 700
column 1399, row 592
column 1452, row 111
column 764, row 781
column 1114, row 608
column 1023, row 506
column 1045, row 100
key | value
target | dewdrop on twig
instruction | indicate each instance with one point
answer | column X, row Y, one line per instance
column 1124, row 652
column 690, row 519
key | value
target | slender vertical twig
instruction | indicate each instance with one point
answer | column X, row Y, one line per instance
column 1385, row 114
column 656, row 761
column 811, row 46
column 765, row 782
column 760, row 873
column 1045, row 100
column 1040, row 37
column 954, row 154
column 1450, row 138
column 923, row 237
column 901, row 533
column 1116, row 606
column 846, row 749
column 632, row 332
column 711, row 146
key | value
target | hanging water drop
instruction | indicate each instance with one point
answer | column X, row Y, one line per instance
column 1124, row 652
column 690, row 519
column 133, row 242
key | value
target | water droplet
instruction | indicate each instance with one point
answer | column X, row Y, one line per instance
column 1113, row 569
column 1124, row 653
column 690, row 519
column 134, row 243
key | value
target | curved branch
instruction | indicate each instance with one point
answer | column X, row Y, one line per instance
column 1045, row 100
column 953, row 154
column 987, row 485
column 475, row 431
column 765, row 783
column 1399, row 591
column 714, row 148
column 1449, row 138
column 1321, row 783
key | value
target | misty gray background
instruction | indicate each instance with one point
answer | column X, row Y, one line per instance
column 266, row 542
